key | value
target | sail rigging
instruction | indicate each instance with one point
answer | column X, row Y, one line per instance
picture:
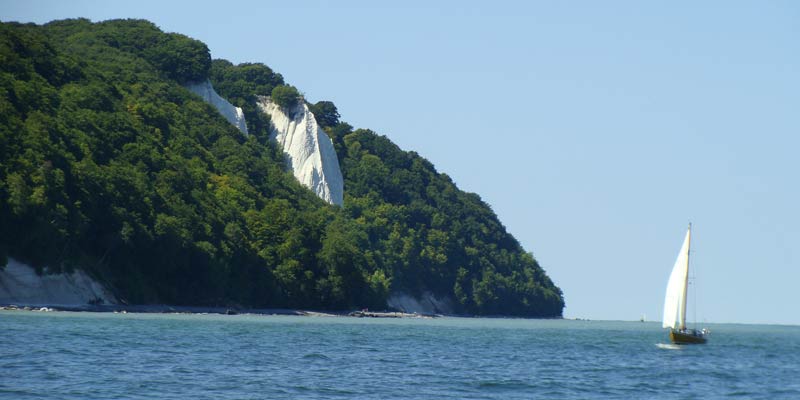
column 675, row 298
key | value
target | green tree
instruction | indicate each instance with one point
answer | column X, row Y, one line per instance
column 325, row 113
column 344, row 284
column 285, row 96
column 180, row 58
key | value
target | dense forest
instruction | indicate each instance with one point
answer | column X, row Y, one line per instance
column 107, row 163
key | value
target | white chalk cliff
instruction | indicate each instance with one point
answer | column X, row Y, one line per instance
column 233, row 114
column 427, row 303
column 20, row 285
column 308, row 148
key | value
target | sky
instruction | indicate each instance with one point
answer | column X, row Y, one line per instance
column 595, row 130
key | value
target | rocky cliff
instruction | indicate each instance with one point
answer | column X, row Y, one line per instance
column 427, row 303
column 20, row 285
column 233, row 114
column 309, row 150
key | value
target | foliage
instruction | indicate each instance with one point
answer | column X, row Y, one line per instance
column 241, row 85
column 427, row 234
column 285, row 96
column 108, row 163
column 325, row 113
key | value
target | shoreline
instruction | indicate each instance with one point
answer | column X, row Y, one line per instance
column 168, row 309
column 201, row 310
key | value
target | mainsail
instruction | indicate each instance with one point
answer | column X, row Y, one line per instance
column 675, row 300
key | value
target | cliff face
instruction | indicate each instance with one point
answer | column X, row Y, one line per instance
column 427, row 303
column 309, row 150
column 20, row 285
column 233, row 114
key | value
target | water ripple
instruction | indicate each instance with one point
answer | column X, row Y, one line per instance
column 106, row 356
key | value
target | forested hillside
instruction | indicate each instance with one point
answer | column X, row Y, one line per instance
column 109, row 164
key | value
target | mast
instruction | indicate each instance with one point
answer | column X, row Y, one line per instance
column 686, row 277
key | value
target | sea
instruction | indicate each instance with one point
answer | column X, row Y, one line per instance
column 73, row 355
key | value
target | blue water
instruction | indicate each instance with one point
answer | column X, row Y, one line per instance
column 130, row 356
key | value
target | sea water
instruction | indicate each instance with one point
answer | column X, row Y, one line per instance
column 66, row 355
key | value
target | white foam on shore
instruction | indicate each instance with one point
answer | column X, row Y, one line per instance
column 20, row 285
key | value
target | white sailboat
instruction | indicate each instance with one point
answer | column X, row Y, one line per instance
column 675, row 299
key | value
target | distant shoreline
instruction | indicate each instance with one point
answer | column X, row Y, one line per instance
column 167, row 309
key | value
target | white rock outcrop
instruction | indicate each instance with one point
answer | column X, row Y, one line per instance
column 233, row 114
column 20, row 285
column 426, row 304
column 308, row 148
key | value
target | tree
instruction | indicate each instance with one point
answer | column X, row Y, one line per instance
column 285, row 96
column 181, row 58
column 325, row 113
column 345, row 284
column 241, row 85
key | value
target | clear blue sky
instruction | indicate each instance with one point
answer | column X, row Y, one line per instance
column 596, row 130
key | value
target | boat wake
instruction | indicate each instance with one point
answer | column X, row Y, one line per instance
column 668, row 346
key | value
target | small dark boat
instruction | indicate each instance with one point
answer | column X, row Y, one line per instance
column 687, row 336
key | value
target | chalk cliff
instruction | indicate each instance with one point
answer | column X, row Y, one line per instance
column 309, row 150
column 427, row 303
column 233, row 114
column 20, row 285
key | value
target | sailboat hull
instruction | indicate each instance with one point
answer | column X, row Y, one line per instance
column 686, row 337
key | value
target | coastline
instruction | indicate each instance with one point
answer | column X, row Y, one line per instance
column 23, row 288
column 168, row 309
